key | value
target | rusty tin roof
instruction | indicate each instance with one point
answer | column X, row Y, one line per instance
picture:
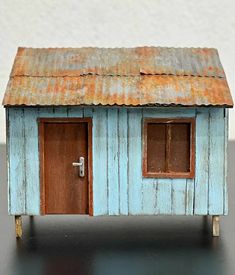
column 143, row 76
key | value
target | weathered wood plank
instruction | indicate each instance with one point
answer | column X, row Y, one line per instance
column 149, row 206
column 123, row 160
column 8, row 158
column 179, row 196
column 183, row 193
column 164, row 196
column 169, row 112
column 135, row 161
column 32, row 162
column 45, row 112
column 202, row 162
column 88, row 112
column 189, row 196
column 113, row 179
column 100, row 188
column 75, row 111
column 18, row 226
column 149, row 185
column 144, row 195
column 226, row 127
column 60, row 111
column 16, row 143
column 215, row 226
column 216, row 163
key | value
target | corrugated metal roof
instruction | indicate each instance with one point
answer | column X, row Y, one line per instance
column 133, row 77
column 117, row 61
column 111, row 90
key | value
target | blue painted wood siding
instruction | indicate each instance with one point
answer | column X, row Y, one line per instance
column 118, row 185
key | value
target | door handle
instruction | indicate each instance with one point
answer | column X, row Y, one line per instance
column 80, row 164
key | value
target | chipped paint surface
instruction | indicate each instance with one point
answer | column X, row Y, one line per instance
column 119, row 76
column 118, row 186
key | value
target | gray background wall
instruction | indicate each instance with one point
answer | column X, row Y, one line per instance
column 116, row 23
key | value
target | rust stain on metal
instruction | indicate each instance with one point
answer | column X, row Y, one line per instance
column 129, row 91
column 143, row 76
column 117, row 61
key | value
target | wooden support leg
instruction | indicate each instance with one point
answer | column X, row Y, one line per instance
column 18, row 226
column 215, row 226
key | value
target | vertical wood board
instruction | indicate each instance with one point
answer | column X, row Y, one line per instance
column 216, row 162
column 100, row 162
column 113, row 155
column 164, row 197
column 172, row 196
column 225, row 162
column 135, row 161
column 179, row 196
column 118, row 184
column 123, row 160
column 32, row 162
column 17, row 187
column 189, row 207
column 202, row 162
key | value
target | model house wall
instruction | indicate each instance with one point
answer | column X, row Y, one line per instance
column 119, row 187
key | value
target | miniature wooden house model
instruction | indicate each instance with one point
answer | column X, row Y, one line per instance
column 139, row 131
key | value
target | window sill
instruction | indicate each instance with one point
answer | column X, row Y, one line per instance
column 188, row 175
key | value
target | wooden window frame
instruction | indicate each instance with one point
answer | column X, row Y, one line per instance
column 145, row 172
column 41, row 124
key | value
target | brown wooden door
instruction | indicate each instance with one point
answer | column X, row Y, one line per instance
column 65, row 191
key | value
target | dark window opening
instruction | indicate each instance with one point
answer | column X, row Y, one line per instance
column 168, row 146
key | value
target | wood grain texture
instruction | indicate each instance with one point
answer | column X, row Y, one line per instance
column 100, row 160
column 215, row 226
column 189, row 197
column 8, row 161
column 43, row 112
column 46, row 112
column 86, row 112
column 216, row 162
column 134, row 162
column 16, row 143
column 149, row 191
column 123, row 160
column 31, row 161
column 18, row 227
column 113, row 161
column 137, row 195
column 90, row 164
column 61, row 111
column 75, row 112
column 164, row 196
column 174, row 195
column 202, row 162
column 64, row 142
column 179, row 196
column 226, row 128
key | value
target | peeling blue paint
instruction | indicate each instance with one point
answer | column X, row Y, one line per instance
column 118, row 185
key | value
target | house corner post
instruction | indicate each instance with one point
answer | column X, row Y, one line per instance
column 18, row 226
column 215, row 226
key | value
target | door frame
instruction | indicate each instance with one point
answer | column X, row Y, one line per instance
column 41, row 123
